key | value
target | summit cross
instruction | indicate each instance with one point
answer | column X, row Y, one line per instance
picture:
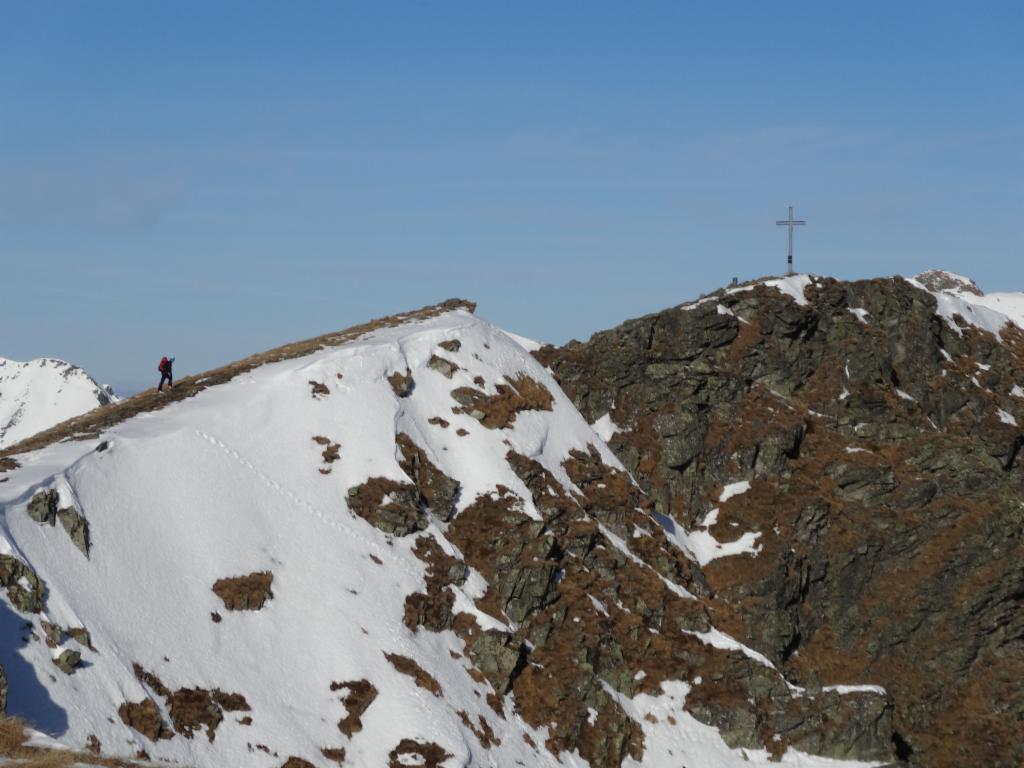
column 790, row 222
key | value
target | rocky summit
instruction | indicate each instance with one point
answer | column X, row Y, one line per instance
column 877, row 433
column 777, row 525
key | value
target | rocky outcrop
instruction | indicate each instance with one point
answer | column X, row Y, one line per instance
column 883, row 458
column 400, row 508
column 45, row 509
column 391, row 506
column 24, row 588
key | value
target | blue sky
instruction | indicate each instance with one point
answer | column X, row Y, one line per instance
column 211, row 179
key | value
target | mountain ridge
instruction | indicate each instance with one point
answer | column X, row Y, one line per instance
column 639, row 549
column 406, row 548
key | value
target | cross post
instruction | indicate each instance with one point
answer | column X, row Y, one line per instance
column 790, row 223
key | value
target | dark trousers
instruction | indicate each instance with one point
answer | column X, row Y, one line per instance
column 165, row 377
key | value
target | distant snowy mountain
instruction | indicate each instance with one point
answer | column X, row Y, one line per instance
column 400, row 545
column 40, row 393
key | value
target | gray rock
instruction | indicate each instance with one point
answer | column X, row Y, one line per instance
column 77, row 528
column 43, row 507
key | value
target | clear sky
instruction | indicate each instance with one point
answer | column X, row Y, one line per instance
column 211, row 179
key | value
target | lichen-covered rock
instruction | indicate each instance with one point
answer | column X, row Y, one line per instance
column 24, row 588
column 68, row 661
column 77, row 527
column 391, row 506
column 43, row 507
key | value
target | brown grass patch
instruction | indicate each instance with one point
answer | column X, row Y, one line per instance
column 430, row 754
column 420, row 676
column 499, row 410
column 245, row 593
column 402, row 383
column 359, row 695
column 144, row 717
column 337, row 754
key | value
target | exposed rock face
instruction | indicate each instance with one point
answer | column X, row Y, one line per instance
column 597, row 603
column 883, row 455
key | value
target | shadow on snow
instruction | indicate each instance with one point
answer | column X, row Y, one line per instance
column 27, row 697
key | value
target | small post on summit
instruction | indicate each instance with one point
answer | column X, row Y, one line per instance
column 790, row 222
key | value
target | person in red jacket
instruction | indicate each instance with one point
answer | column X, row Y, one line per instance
column 166, row 373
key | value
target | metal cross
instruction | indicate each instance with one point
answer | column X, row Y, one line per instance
column 790, row 222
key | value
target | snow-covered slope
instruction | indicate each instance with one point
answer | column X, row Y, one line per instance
column 959, row 295
column 262, row 476
column 40, row 393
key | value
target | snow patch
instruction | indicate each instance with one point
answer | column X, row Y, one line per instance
column 792, row 286
column 734, row 489
column 605, row 427
column 701, row 546
column 843, row 690
column 1007, row 418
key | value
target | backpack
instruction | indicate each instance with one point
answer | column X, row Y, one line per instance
column 163, row 365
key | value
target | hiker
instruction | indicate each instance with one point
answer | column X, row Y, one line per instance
column 166, row 373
